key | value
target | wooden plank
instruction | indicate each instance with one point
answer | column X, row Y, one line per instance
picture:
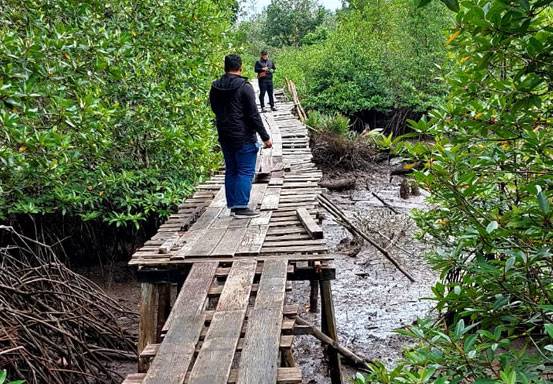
column 312, row 228
column 150, row 351
column 256, row 196
column 285, row 375
column 271, row 199
column 165, row 262
column 291, row 243
column 229, row 242
column 204, row 245
column 220, row 200
column 205, row 220
column 295, row 249
column 175, row 353
column 264, row 218
column 259, row 358
column 253, row 239
column 169, row 243
column 214, row 361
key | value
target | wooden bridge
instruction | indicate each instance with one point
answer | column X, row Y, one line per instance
column 213, row 306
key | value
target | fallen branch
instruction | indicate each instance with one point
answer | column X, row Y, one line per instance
column 339, row 214
column 385, row 203
column 355, row 359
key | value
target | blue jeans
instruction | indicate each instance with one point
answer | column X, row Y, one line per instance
column 239, row 173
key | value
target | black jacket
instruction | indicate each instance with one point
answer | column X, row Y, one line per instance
column 259, row 64
column 232, row 100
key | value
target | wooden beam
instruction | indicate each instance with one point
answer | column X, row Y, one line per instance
column 309, row 223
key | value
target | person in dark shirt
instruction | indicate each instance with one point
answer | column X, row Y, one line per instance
column 264, row 69
column 232, row 99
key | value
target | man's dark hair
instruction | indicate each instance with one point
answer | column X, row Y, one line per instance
column 264, row 52
column 233, row 63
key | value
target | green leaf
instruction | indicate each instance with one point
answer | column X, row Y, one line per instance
column 549, row 330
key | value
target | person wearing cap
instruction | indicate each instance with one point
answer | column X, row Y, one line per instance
column 232, row 99
column 264, row 69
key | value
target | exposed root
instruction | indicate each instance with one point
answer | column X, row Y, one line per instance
column 56, row 326
column 333, row 151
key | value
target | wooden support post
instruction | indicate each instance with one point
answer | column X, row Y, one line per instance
column 328, row 326
column 287, row 358
column 163, row 307
column 314, row 294
column 147, row 328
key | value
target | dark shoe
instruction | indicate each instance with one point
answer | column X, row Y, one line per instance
column 245, row 213
column 273, row 108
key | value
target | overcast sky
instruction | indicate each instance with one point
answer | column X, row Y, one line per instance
column 330, row 4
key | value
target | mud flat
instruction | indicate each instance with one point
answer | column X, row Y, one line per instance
column 371, row 297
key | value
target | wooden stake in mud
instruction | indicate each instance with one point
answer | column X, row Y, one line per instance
column 328, row 326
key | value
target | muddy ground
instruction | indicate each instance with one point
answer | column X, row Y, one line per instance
column 371, row 297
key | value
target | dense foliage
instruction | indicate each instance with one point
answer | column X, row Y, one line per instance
column 288, row 22
column 381, row 55
column 490, row 175
column 103, row 108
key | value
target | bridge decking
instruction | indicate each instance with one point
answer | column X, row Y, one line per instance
column 229, row 322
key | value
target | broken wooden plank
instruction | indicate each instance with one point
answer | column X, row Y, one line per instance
column 310, row 225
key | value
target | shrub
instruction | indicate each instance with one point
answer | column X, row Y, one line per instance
column 103, row 110
column 379, row 56
column 490, row 215
column 329, row 123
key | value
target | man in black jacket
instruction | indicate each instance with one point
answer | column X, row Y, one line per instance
column 264, row 69
column 232, row 100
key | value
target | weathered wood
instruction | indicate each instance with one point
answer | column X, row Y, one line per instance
column 328, row 325
column 271, row 199
column 310, row 225
column 163, row 307
column 229, row 242
column 252, row 241
column 214, row 360
column 175, row 353
column 356, row 360
column 182, row 263
column 169, row 243
column 258, row 362
column 256, row 196
column 285, row 375
column 147, row 329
